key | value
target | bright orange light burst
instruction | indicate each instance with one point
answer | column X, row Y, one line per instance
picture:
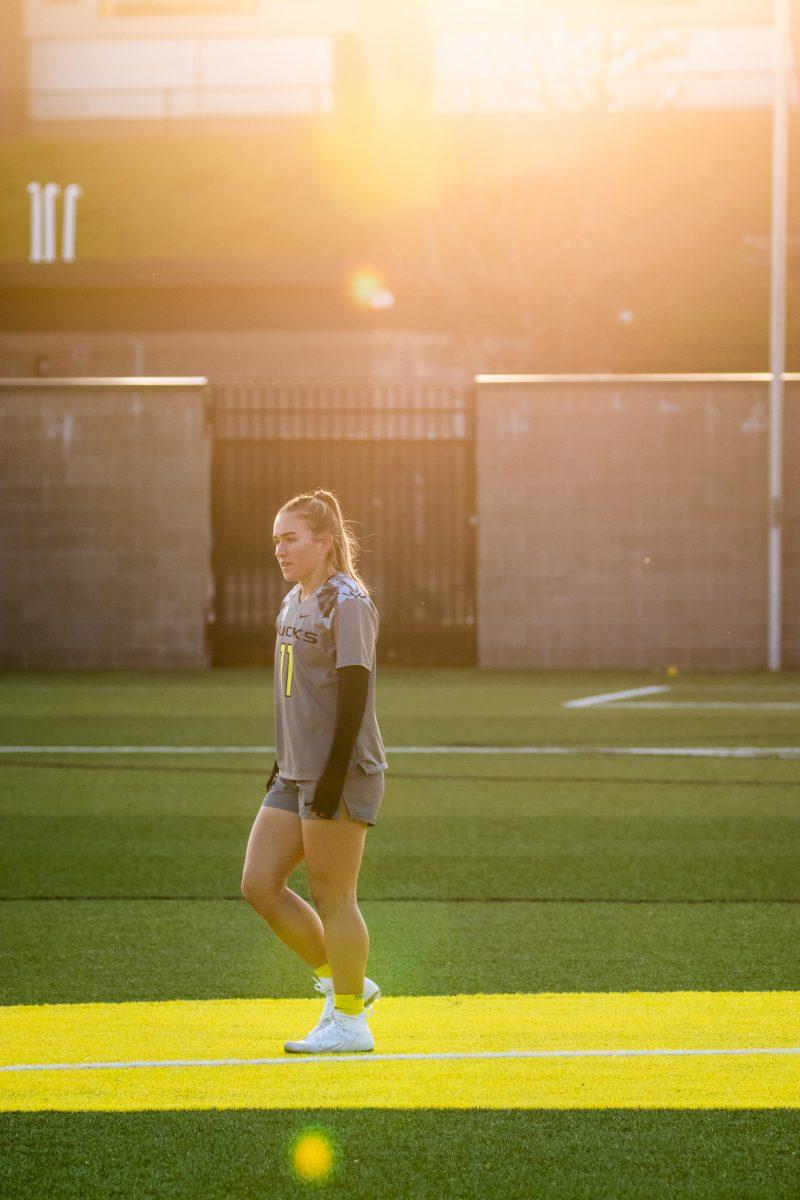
column 367, row 289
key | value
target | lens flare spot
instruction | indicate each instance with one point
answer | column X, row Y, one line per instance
column 367, row 289
column 312, row 1156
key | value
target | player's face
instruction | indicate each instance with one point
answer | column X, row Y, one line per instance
column 300, row 555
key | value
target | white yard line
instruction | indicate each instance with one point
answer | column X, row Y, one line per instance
column 607, row 697
column 667, row 751
column 781, row 704
column 712, row 686
column 371, row 1057
column 122, row 690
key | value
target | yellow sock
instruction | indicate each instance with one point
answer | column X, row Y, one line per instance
column 353, row 1004
column 325, row 969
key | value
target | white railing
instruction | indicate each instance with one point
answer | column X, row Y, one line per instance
column 103, row 381
column 699, row 377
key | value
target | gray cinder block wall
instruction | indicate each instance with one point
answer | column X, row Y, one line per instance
column 791, row 525
column 620, row 524
column 106, row 538
column 625, row 524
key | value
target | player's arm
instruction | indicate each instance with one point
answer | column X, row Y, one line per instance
column 350, row 708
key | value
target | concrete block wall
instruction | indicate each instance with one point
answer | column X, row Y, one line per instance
column 791, row 526
column 105, row 527
column 620, row 524
column 625, row 524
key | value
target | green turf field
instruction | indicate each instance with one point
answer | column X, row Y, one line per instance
column 501, row 874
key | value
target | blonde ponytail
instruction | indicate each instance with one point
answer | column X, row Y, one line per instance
column 322, row 513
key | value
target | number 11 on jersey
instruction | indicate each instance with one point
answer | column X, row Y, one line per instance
column 289, row 648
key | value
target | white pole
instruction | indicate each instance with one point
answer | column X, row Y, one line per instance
column 72, row 194
column 34, row 190
column 777, row 330
column 51, row 193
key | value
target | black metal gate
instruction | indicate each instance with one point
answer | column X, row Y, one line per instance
column 400, row 458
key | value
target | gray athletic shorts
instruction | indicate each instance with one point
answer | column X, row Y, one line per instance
column 362, row 794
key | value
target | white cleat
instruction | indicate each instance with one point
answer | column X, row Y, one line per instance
column 341, row 1035
column 371, row 993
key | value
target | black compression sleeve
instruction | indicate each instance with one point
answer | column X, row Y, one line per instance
column 350, row 708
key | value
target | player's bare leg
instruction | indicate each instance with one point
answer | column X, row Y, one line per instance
column 333, row 852
column 274, row 849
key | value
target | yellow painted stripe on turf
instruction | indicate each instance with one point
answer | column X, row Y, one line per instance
column 214, row 1029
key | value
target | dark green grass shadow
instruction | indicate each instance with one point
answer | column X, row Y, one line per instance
column 393, row 1154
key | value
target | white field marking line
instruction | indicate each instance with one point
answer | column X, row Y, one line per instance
column 668, row 751
column 607, row 697
column 183, row 688
column 712, row 686
column 712, row 704
column 78, row 685
column 367, row 1056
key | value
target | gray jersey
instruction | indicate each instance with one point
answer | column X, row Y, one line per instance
column 336, row 626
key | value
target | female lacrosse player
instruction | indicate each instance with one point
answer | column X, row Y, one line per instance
column 327, row 780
